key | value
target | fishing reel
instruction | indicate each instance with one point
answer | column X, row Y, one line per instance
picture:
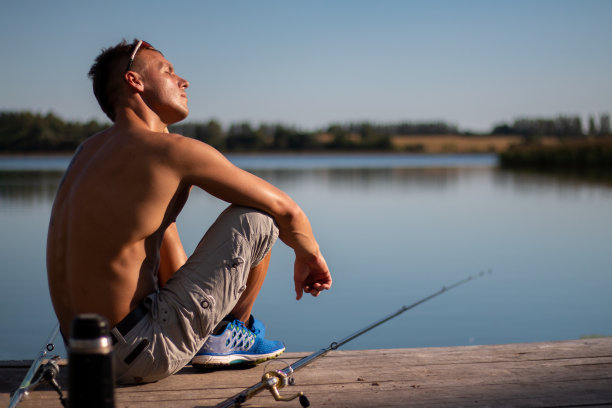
column 46, row 373
column 273, row 380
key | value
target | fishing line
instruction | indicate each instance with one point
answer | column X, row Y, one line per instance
column 274, row 380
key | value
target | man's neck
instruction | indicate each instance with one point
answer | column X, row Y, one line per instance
column 144, row 118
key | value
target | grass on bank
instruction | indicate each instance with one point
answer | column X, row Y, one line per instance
column 587, row 154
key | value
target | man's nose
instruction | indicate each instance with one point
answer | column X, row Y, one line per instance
column 184, row 83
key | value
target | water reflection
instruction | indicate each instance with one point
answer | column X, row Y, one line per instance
column 528, row 182
column 392, row 234
column 22, row 188
column 365, row 179
column 26, row 187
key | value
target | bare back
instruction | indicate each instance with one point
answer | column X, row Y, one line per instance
column 111, row 210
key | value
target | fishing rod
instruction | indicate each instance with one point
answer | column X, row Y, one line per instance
column 274, row 380
column 37, row 374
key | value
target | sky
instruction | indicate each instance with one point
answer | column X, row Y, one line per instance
column 471, row 63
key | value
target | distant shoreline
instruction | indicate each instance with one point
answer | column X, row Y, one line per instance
column 401, row 144
column 591, row 154
column 511, row 150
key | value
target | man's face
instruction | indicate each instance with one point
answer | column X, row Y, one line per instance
column 164, row 91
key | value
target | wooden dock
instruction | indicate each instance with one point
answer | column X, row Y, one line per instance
column 574, row 373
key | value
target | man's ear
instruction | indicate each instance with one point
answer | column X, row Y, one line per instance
column 134, row 81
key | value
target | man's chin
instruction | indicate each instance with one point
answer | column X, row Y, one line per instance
column 177, row 116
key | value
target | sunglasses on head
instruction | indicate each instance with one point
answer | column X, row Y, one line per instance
column 137, row 46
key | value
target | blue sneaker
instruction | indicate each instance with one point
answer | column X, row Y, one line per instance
column 257, row 327
column 236, row 345
column 254, row 325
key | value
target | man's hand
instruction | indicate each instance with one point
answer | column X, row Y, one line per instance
column 311, row 276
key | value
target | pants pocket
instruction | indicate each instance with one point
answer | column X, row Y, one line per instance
column 131, row 363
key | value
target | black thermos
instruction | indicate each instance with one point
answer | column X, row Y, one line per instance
column 91, row 378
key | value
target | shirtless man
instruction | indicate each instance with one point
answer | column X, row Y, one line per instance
column 113, row 242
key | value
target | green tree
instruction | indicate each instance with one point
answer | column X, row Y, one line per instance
column 604, row 125
column 592, row 128
column 241, row 137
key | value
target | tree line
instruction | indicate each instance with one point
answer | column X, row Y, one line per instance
column 563, row 127
column 280, row 137
column 33, row 132
column 594, row 155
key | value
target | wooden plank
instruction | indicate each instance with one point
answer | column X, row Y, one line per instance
column 569, row 373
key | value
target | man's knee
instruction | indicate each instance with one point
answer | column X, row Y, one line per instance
column 251, row 221
column 257, row 228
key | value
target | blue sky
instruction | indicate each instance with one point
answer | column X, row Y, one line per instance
column 310, row 63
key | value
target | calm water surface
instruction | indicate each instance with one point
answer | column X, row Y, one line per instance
column 394, row 229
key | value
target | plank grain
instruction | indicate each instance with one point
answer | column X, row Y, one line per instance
column 552, row 374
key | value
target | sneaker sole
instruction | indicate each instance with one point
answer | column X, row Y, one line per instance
column 205, row 361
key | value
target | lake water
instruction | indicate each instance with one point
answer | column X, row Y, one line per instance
column 394, row 229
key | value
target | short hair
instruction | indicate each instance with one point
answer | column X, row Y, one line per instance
column 106, row 74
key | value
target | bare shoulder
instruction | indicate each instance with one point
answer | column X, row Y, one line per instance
column 200, row 164
column 188, row 153
column 185, row 145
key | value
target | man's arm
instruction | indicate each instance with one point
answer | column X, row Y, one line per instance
column 203, row 166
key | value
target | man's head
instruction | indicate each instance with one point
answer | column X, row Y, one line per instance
column 115, row 69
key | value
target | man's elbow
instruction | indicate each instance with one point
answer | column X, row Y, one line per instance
column 289, row 212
